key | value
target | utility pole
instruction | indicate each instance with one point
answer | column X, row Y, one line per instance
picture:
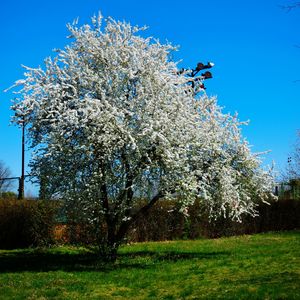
column 22, row 178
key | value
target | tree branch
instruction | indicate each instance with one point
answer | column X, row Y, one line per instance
column 291, row 6
column 126, row 224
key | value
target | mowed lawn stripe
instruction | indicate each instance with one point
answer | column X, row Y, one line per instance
column 263, row 266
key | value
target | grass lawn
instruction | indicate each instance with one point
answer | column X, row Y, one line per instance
column 263, row 266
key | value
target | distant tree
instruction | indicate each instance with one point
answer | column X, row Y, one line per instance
column 291, row 175
column 113, row 120
column 9, row 195
column 293, row 167
column 4, row 173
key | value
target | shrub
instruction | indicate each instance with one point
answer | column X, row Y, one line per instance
column 25, row 223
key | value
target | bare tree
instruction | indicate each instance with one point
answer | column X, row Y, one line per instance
column 293, row 168
column 4, row 173
column 289, row 7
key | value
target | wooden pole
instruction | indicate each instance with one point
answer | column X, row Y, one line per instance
column 22, row 178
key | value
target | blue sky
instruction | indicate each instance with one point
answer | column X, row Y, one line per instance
column 252, row 44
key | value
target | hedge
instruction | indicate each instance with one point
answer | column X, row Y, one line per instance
column 164, row 222
column 26, row 223
column 160, row 225
column 31, row 223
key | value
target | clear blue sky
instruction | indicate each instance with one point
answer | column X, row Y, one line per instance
column 252, row 44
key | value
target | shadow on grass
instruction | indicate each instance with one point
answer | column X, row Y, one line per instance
column 44, row 262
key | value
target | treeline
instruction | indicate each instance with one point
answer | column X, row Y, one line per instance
column 32, row 223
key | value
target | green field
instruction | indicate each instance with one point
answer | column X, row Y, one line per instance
column 263, row 266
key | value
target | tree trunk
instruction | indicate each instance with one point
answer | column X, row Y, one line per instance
column 108, row 249
column 109, row 243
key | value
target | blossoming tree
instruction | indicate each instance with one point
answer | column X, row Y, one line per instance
column 112, row 120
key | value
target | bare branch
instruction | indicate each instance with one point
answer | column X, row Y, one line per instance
column 290, row 7
column 4, row 174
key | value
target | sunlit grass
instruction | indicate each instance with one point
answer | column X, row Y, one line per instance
column 264, row 266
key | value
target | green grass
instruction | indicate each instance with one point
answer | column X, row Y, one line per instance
column 264, row 266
